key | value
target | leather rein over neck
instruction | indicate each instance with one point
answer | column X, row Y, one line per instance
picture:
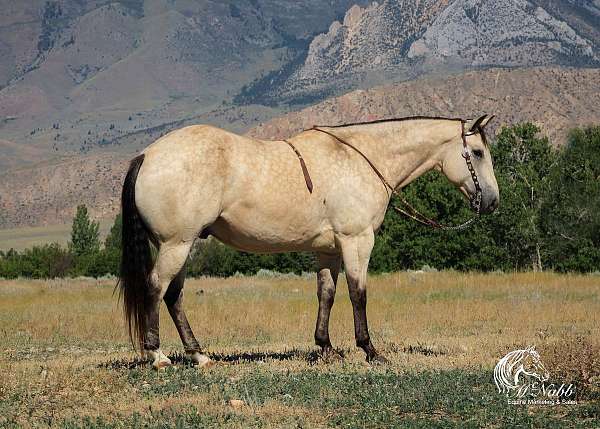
column 409, row 210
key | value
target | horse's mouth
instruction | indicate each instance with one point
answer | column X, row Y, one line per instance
column 464, row 191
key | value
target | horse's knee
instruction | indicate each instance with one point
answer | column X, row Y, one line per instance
column 155, row 288
column 358, row 296
column 326, row 296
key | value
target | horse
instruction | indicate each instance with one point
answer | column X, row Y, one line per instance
column 516, row 364
column 201, row 181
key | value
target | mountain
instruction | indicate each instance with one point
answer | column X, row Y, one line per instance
column 400, row 39
column 77, row 75
column 84, row 84
column 90, row 76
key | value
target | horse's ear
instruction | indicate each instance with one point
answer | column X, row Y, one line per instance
column 479, row 123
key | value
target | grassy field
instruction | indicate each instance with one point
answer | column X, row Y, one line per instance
column 27, row 237
column 65, row 360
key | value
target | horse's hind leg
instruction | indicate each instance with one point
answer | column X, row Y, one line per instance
column 174, row 300
column 329, row 268
column 170, row 261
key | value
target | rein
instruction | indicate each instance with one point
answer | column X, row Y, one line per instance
column 409, row 210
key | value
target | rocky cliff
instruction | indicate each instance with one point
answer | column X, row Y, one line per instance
column 397, row 40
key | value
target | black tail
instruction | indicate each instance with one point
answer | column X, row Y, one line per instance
column 136, row 259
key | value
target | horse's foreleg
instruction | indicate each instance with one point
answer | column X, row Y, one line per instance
column 174, row 300
column 329, row 268
column 171, row 259
column 356, row 251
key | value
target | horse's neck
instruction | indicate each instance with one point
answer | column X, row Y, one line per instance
column 401, row 150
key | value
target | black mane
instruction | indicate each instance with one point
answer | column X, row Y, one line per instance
column 407, row 118
column 379, row 121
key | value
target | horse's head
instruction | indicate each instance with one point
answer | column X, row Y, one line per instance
column 533, row 366
column 472, row 146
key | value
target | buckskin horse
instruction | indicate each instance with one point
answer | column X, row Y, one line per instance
column 255, row 196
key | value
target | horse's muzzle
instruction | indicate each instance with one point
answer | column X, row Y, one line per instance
column 489, row 202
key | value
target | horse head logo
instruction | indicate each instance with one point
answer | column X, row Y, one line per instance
column 513, row 368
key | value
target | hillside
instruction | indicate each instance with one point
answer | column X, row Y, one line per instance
column 86, row 84
column 555, row 98
column 77, row 75
column 80, row 77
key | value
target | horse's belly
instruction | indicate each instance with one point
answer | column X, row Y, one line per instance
column 253, row 235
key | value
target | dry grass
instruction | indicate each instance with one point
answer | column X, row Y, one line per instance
column 60, row 337
column 29, row 236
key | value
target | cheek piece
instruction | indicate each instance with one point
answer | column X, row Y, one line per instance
column 475, row 199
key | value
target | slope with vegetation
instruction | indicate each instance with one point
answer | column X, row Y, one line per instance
column 77, row 75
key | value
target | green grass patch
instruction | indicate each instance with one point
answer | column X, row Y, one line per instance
column 376, row 398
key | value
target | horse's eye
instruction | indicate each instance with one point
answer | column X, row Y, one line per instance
column 478, row 153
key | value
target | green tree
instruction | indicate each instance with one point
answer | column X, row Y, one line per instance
column 113, row 239
column 39, row 262
column 524, row 163
column 85, row 237
column 111, row 254
column 571, row 216
column 212, row 258
column 85, row 244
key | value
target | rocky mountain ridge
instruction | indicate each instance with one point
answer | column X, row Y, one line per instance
column 397, row 40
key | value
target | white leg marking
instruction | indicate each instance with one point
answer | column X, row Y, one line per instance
column 158, row 358
column 200, row 360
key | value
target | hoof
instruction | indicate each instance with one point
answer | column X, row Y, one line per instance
column 158, row 358
column 200, row 360
column 377, row 360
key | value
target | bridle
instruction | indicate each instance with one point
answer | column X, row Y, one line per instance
column 409, row 210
